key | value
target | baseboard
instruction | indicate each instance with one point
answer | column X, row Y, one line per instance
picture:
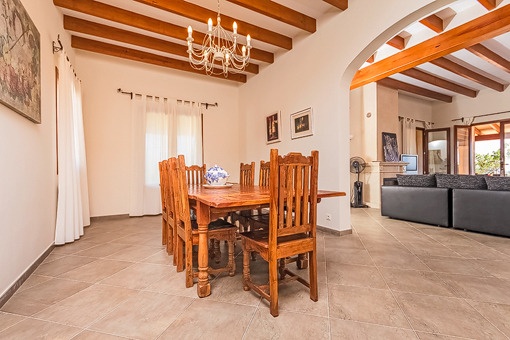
column 333, row 231
column 23, row 277
column 109, row 217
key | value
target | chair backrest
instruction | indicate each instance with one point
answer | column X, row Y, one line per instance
column 163, row 183
column 169, row 198
column 293, row 195
column 264, row 174
column 179, row 190
column 195, row 174
column 247, row 174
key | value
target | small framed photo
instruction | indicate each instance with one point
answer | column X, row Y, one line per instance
column 273, row 127
column 301, row 124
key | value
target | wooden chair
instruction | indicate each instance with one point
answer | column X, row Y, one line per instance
column 187, row 229
column 264, row 174
column 292, row 226
column 195, row 174
column 247, row 174
column 166, row 236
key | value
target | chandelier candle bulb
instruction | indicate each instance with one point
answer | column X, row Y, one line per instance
column 235, row 28
column 209, row 25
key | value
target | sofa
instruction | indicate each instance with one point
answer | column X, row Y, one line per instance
column 470, row 202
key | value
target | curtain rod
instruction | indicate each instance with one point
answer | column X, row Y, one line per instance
column 119, row 90
column 484, row 115
column 416, row 120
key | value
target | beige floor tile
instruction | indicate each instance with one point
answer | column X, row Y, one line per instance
column 143, row 316
column 52, row 291
column 485, row 289
column 296, row 297
column 102, row 250
column 366, row 305
column 397, row 259
column 86, row 306
column 347, row 329
column 32, row 281
column 173, row 283
column 430, row 249
column 38, row 329
column 354, row 275
column 138, row 275
column 497, row 314
column 135, row 253
column 96, row 271
column 145, row 238
column 90, row 335
column 288, row 325
column 20, row 306
column 343, row 242
column 416, row 282
column 350, row 256
column 498, row 268
column 72, row 248
column 211, row 320
column 161, row 257
column 479, row 251
column 435, row 336
column 447, row 316
column 7, row 320
column 62, row 265
column 455, row 266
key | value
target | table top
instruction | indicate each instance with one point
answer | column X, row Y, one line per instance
column 240, row 196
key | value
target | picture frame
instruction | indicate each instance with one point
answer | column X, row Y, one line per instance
column 20, row 61
column 390, row 147
column 273, row 129
column 301, row 123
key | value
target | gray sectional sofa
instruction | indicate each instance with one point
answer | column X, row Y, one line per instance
column 471, row 202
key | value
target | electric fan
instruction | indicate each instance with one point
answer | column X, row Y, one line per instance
column 357, row 165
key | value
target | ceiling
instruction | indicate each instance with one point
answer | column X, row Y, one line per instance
column 154, row 31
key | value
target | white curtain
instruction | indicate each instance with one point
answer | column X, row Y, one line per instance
column 73, row 199
column 161, row 128
column 408, row 136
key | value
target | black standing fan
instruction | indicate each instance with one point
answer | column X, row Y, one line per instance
column 357, row 165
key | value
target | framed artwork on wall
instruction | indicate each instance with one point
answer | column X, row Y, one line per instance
column 390, row 147
column 273, row 127
column 20, row 61
column 301, row 123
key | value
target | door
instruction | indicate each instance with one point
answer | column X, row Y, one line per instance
column 462, row 156
column 437, row 151
column 505, row 148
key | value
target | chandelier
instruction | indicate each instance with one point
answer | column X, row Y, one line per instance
column 219, row 53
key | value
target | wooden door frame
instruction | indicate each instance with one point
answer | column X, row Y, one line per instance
column 426, row 149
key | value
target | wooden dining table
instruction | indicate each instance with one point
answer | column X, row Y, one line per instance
column 212, row 203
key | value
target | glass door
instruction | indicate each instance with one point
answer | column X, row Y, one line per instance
column 505, row 147
column 462, row 150
column 437, row 153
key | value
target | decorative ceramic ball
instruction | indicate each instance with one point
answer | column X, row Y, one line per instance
column 216, row 176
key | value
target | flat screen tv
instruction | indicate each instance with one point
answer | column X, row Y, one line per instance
column 412, row 167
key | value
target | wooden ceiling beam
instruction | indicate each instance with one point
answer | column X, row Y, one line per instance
column 340, row 4
column 485, row 27
column 198, row 13
column 279, row 12
column 439, row 82
column 398, row 42
column 462, row 71
column 112, row 33
column 144, row 57
column 433, row 22
column 495, row 127
column 115, row 14
column 406, row 87
column 489, row 56
column 489, row 4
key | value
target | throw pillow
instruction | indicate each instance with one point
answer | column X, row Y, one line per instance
column 498, row 183
column 416, row 180
column 461, row 181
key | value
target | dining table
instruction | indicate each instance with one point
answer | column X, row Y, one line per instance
column 213, row 202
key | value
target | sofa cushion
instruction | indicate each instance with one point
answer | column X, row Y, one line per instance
column 416, row 180
column 498, row 183
column 461, row 181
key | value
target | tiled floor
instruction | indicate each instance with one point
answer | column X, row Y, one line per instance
column 388, row 280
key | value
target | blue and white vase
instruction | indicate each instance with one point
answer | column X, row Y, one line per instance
column 216, row 176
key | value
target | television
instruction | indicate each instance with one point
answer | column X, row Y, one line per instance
column 412, row 167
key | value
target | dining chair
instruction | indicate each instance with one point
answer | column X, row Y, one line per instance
column 264, row 174
column 187, row 229
column 166, row 237
column 195, row 174
column 292, row 227
column 247, row 174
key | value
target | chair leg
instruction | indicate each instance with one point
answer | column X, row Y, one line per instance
column 246, row 269
column 273, row 287
column 169, row 240
column 179, row 254
column 163, row 231
column 314, row 289
column 188, row 260
column 216, row 251
column 231, row 262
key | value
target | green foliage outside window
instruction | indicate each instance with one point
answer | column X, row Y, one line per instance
column 489, row 163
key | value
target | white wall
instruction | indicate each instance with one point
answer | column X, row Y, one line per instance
column 317, row 73
column 108, row 126
column 28, row 182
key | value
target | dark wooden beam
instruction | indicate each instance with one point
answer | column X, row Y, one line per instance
column 144, row 57
column 485, row 27
column 340, row 4
column 433, row 22
column 198, row 13
column 401, row 86
column 115, row 14
column 440, row 82
column 112, row 33
column 489, row 56
column 462, row 71
column 279, row 12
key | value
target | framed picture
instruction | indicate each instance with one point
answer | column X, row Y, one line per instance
column 273, row 127
column 20, row 61
column 301, row 124
column 390, row 147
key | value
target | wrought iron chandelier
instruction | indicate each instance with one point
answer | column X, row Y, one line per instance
column 220, row 53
